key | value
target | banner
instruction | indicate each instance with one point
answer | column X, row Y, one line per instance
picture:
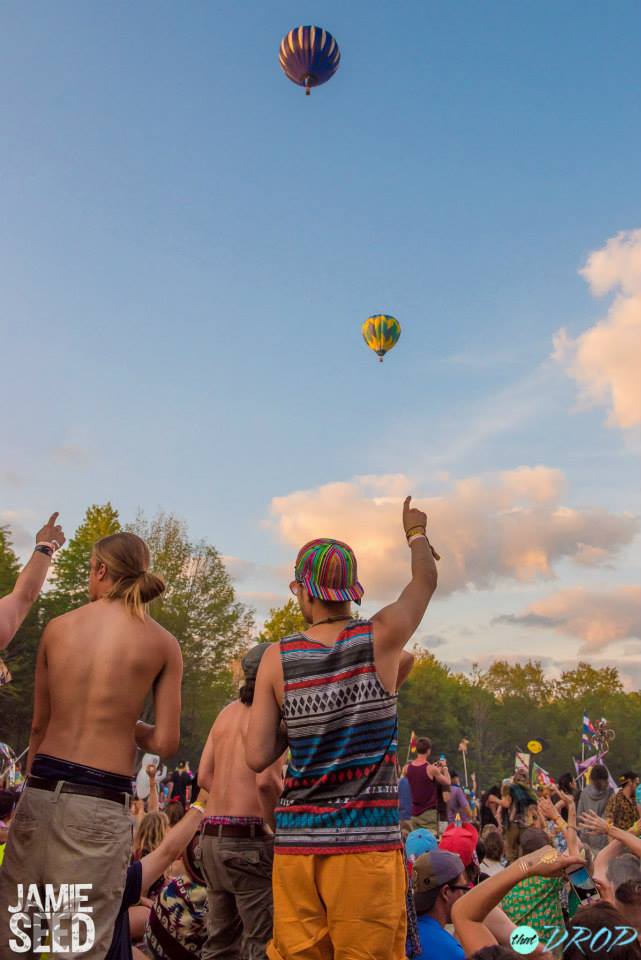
column 588, row 731
column 541, row 777
column 522, row 762
column 583, row 768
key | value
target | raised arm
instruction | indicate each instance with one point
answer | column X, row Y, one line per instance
column 163, row 736
column 176, row 839
column 404, row 668
column 469, row 914
column 395, row 624
column 266, row 741
column 152, row 801
column 620, row 839
column 16, row 605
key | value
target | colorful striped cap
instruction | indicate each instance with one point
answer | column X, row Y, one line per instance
column 327, row 570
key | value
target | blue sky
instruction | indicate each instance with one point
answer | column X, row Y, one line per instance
column 189, row 246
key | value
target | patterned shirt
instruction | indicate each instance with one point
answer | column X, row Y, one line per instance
column 535, row 902
column 621, row 811
column 177, row 925
column 341, row 791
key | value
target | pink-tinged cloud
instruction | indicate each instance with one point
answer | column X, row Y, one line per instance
column 596, row 617
column 604, row 360
column 505, row 526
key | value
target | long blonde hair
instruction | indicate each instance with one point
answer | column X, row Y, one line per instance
column 150, row 833
column 126, row 557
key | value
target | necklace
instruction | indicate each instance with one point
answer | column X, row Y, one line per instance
column 317, row 623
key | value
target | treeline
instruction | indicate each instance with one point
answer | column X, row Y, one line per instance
column 497, row 710
column 504, row 707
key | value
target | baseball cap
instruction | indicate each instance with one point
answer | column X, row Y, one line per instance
column 420, row 841
column 327, row 570
column 626, row 778
column 434, row 869
column 251, row 660
column 460, row 840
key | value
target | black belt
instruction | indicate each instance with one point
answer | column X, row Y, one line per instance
column 103, row 793
column 236, row 830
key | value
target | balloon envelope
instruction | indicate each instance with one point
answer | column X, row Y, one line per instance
column 309, row 56
column 381, row 333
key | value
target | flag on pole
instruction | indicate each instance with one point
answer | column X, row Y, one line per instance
column 588, row 730
column 541, row 777
column 413, row 742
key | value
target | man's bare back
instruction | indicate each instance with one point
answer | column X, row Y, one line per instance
column 96, row 666
column 234, row 789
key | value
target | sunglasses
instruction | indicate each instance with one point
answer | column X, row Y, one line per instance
column 460, row 886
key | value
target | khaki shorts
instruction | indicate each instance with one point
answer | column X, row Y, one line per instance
column 65, row 838
column 344, row 906
column 427, row 820
column 239, row 895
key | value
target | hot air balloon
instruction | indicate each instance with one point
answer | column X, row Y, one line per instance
column 381, row 333
column 309, row 56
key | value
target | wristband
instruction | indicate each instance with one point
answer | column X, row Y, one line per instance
column 413, row 530
column 416, row 536
column 197, row 805
column 44, row 548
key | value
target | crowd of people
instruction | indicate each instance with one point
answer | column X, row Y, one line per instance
column 299, row 838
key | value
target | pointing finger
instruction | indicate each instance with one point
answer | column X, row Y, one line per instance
column 53, row 518
column 406, row 504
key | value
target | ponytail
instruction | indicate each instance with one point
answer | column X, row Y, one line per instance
column 126, row 557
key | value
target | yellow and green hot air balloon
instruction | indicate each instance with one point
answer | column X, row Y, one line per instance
column 381, row 333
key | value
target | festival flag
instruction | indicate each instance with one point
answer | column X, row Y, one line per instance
column 588, row 730
column 413, row 742
column 541, row 777
column 522, row 762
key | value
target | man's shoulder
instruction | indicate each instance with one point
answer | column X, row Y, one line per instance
column 437, row 943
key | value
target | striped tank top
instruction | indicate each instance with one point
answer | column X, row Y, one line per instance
column 341, row 788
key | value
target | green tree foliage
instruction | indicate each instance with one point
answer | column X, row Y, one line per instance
column 282, row 622
column 16, row 698
column 201, row 610
column 503, row 707
column 71, row 565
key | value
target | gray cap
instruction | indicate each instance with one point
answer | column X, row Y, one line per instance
column 434, row 869
column 252, row 658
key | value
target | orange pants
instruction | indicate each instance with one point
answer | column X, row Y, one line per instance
column 339, row 907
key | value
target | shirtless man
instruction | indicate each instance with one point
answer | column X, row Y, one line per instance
column 237, row 843
column 16, row 605
column 94, row 669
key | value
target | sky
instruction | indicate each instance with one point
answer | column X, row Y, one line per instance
column 189, row 245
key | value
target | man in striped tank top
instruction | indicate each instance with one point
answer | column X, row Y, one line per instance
column 330, row 696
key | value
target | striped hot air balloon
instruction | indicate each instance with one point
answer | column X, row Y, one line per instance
column 381, row 333
column 309, row 56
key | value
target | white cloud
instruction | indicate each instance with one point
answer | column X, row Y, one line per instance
column 596, row 617
column 604, row 360
column 505, row 526
column 19, row 523
column 70, row 454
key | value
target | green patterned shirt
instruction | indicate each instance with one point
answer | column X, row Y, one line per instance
column 535, row 902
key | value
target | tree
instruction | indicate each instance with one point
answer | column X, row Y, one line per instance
column 9, row 566
column 282, row 622
column 200, row 608
column 16, row 698
column 521, row 681
column 71, row 565
column 586, row 682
